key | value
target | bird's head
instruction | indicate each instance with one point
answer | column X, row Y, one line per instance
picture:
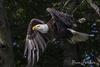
column 43, row 28
column 37, row 27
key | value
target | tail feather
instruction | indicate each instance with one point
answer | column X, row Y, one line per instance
column 78, row 36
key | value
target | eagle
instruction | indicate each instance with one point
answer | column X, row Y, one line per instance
column 60, row 24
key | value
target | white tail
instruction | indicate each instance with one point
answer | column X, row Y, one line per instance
column 78, row 36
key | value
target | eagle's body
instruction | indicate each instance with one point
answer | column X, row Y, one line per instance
column 60, row 23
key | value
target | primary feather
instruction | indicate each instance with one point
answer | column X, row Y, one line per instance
column 35, row 43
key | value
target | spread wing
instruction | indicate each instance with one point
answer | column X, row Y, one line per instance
column 34, row 46
column 64, row 24
column 61, row 18
column 62, row 21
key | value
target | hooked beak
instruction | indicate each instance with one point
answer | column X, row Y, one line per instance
column 34, row 28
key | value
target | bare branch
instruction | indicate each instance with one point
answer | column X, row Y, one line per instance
column 78, row 6
column 94, row 6
column 66, row 3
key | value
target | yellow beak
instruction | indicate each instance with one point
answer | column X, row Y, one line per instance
column 34, row 28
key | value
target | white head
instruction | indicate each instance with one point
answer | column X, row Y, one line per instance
column 43, row 28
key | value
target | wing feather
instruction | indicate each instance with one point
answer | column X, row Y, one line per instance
column 62, row 22
column 40, row 42
column 30, row 51
column 34, row 47
column 61, row 18
column 37, row 49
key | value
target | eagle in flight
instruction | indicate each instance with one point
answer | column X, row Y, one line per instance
column 61, row 24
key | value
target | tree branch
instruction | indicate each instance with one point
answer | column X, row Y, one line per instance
column 94, row 6
column 77, row 6
column 66, row 3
